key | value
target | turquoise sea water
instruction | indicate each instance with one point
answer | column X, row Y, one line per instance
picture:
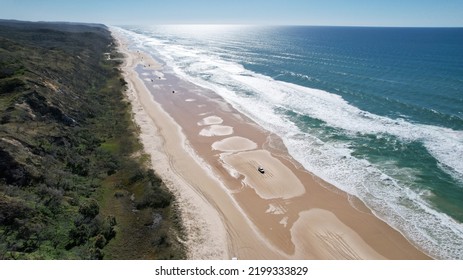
column 378, row 112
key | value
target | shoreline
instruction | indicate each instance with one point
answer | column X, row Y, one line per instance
column 207, row 153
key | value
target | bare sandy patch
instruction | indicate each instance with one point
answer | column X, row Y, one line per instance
column 321, row 233
column 278, row 181
column 216, row 130
column 210, row 120
column 234, row 144
column 147, row 60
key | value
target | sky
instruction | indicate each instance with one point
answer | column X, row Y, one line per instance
column 417, row 13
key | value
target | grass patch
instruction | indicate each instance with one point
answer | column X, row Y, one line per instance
column 110, row 146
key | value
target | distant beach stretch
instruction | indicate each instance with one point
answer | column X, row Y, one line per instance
column 257, row 177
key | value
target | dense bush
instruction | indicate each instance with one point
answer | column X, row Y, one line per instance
column 65, row 135
column 12, row 210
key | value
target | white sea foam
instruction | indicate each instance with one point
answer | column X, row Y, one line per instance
column 395, row 202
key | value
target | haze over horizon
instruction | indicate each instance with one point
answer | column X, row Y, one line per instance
column 394, row 13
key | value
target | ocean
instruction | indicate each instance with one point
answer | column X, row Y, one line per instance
column 377, row 112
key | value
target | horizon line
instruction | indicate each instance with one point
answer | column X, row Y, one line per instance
column 231, row 24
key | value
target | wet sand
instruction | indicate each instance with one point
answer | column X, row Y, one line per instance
column 209, row 153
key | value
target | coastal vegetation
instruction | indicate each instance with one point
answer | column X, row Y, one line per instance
column 74, row 182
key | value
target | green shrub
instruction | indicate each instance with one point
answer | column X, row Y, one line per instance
column 90, row 209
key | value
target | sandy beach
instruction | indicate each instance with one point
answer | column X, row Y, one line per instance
column 208, row 154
